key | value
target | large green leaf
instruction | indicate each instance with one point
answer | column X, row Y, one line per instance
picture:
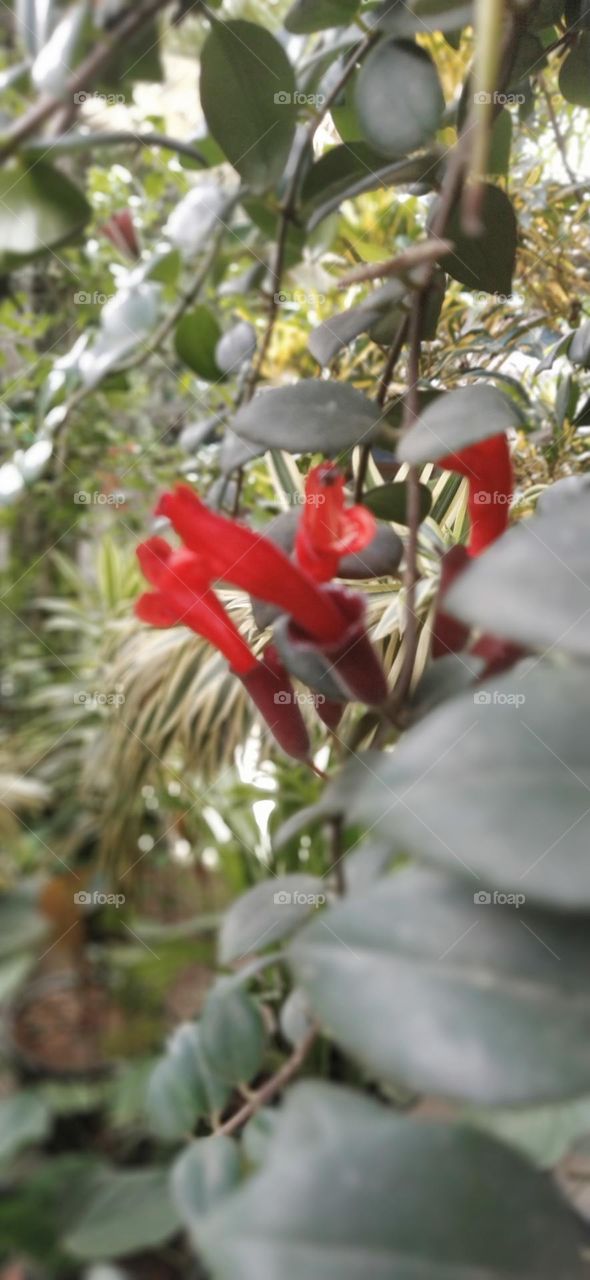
column 181, row 1087
column 202, row 1176
column 457, row 419
column 308, row 417
column 266, row 914
column 455, row 790
column 427, row 986
column 349, row 1191
column 485, row 261
column 130, row 1210
column 39, row 210
column 247, row 95
column 316, row 15
column 533, row 585
column 399, row 100
column 574, row 73
column 390, row 501
column 196, row 338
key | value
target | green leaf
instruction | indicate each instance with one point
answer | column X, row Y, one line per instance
column 402, row 19
column 544, row 1134
column 39, row 210
column 24, row 1118
column 309, row 416
column 532, row 585
column 130, row 1210
column 236, row 347
column 574, row 73
column 389, row 502
column 399, row 99
column 427, row 986
column 579, row 351
column 266, row 914
column 176, row 1096
column 316, row 15
column 470, row 764
column 340, row 330
column 349, row 170
column 247, row 95
column 21, row 924
column 232, row 1034
column 457, row 419
column 486, row 261
column 358, row 1192
column 202, row 1176
column 195, row 340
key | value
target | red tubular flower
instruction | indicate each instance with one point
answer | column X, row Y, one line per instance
column 328, row 529
column 120, row 230
column 488, row 469
column 183, row 595
column 235, row 554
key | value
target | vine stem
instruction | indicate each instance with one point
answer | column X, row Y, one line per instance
column 271, row 1087
column 48, row 106
column 66, row 143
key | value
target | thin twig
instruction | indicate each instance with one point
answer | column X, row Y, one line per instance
column 64, row 143
column 271, row 1087
column 559, row 139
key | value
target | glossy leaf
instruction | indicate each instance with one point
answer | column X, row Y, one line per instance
column 232, row 1034
column 307, row 417
column 247, row 89
column 347, row 171
column 266, row 914
column 316, row 15
column 196, row 338
column 202, row 1176
column 389, row 502
column 486, row 261
column 457, row 419
column 432, row 983
column 399, row 99
column 574, row 73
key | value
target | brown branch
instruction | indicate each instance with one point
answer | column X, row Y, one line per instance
column 83, row 77
column 271, row 1087
column 417, row 255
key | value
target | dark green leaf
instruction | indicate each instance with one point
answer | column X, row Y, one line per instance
column 402, row 19
column 360, row 1194
column 389, row 502
column 431, row 982
column 316, row 15
column 544, row 1134
column 399, row 99
column 500, row 143
column 24, row 1118
column 469, row 765
column 39, row 210
column 232, row 1034
column 266, row 914
column 196, row 338
column 247, row 90
column 579, row 351
column 310, row 416
column 574, row 73
column 485, row 261
column 349, row 170
column 455, row 420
